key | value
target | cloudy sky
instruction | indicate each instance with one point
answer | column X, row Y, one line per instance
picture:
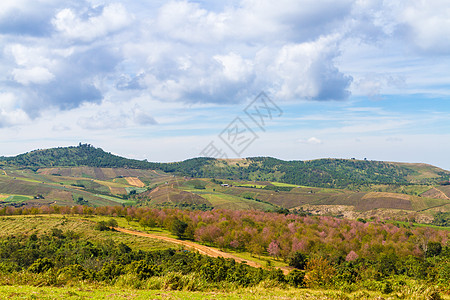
column 170, row 80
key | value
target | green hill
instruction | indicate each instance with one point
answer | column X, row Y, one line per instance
column 81, row 155
column 334, row 173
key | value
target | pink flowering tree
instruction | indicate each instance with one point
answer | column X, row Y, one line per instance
column 274, row 249
column 351, row 256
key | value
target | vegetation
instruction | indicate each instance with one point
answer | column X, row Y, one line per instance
column 259, row 208
column 328, row 252
column 320, row 173
column 442, row 219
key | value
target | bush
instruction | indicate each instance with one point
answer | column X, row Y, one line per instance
column 319, row 273
column 298, row 260
column 142, row 269
column 74, row 272
column 101, row 226
column 41, row 265
column 296, row 278
column 110, row 271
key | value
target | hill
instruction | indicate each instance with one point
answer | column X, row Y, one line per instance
column 331, row 173
column 81, row 155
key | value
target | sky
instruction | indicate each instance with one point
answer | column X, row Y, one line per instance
column 171, row 80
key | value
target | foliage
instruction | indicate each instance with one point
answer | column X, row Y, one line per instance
column 320, row 173
column 298, row 260
column 334, row 253
column 319, row 272
column 442, row 219
column 81, row 155
column 179, row 228
column 105, row 226
column 66, row 259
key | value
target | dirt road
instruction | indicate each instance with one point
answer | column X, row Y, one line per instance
column 200, row 248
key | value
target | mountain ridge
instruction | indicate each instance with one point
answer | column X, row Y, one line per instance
column 325, row 172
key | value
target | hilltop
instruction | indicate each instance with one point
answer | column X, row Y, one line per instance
column 331, row 173
column 74, row 156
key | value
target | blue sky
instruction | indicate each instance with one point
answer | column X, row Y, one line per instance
column 162, row 80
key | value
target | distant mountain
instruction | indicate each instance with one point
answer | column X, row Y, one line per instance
column 334, row 173
column 320, row 173
column 81, row 155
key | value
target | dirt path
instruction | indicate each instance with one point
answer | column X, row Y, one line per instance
column 200, row 248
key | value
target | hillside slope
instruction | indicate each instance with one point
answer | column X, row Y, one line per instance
column 335, row 173
column 81, row 155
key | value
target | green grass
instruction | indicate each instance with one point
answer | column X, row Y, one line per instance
column 111, row 198
column 421, row 225
column 251, row 185
column 17, row 198
column 263, row 291
column 137, row 189
column 226, row 201
column 14, row 198
column 262, row 259
column 121, row 181
column 17, row 225
column 284, row 184
column 232, row 202
column 122, row 222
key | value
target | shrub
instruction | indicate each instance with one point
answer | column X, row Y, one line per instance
column 110, row 271
column 73, row 272
column 298, row 260
column 142, row 269
column 319, row 272
column 41, row 265
column 101, row 226
column 296, row 278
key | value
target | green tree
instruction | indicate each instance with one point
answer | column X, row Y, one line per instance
column 298, row 260
column 433, row 249
column 179, row 228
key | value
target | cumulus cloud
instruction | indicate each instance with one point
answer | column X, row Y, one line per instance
column 113, row 17
column 10, row 112
column 26, row 17
column 428, row 24
column 72, row 53
column 307, row 71
column 37, row 75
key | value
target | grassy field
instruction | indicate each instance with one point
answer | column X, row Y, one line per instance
column 14, row 198
column 18, row 225
column 85, row 291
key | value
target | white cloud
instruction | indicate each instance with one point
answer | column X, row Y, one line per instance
column 235, row 68
column 306, row 70
column 428, row 24
column 310, row 141
column 75, row 66
column 189, row 23
column 29, row 56
column 114, row 17
column 10, row 112
column 36, row 75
